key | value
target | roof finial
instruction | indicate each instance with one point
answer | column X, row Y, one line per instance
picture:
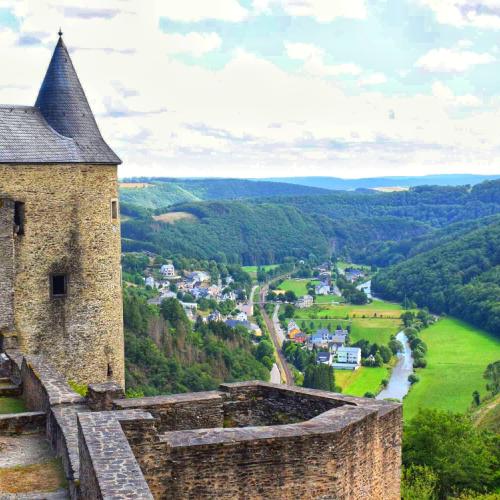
column 60, row 33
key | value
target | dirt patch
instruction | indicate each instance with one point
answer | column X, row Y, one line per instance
column 173, row 217
column 43, row 477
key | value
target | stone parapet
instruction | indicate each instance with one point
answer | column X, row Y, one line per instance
column 108, row 468
column 44, row 387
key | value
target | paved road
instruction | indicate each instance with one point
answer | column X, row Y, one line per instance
column 286, row 373
column 275, row 375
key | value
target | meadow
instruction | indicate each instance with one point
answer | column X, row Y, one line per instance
column 457, row 356
column 299, row 287
column 253, row 269
column 361, row 381
column 375, row 309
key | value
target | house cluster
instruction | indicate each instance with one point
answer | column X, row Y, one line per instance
column 304, row 302
column 239, row 319
column 331, row 347
column 195, row 283
column 352, row 274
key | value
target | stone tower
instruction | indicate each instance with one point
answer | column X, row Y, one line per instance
column 60, row 278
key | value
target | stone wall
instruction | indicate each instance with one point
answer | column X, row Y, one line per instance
column 6, row 264
column 68, row 229
column 351, row 450
column 199, row 410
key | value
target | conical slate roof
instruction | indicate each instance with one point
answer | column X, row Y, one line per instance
column 60, row 128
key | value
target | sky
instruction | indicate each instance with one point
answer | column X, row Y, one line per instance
column 274, row 88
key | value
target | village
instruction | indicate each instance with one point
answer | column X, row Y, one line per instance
column 190, row 287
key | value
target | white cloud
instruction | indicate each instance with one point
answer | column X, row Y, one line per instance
column 440, row 90
column 374, row 79
column 452, row 60
column 249, row 118
column 474, row 13
column 314, row 64
column 323, row 11
column 198, row 10
column 194, row 43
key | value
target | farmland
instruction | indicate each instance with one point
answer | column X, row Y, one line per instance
column 457, row 356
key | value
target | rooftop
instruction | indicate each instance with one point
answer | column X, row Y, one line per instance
column 60, row 128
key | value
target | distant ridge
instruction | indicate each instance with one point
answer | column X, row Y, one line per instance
column 336, row 183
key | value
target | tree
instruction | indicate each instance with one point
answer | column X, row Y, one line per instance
column 265, row 348
column 492, row 375
column 476, row 398
column 461, row 456
column 418, row 482
column 413, row 378
column 290, row 296
column 319, row 377
column 386, row 353
column 289, row 310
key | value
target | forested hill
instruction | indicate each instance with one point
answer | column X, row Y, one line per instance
column 338, row 184
column 265, row 231
column 461, row 277
column 155, row 193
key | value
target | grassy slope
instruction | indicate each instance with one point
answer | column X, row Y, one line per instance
column 457, row 357
column 487, row 416
column 357, row 383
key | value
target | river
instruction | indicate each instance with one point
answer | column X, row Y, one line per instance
column 398, row 385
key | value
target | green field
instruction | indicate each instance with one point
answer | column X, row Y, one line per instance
column 457, row 357
column 361, row 381
column 376, row 330
column 253, row 269
column 376, row 309
column 342, row 265
column 297, row 286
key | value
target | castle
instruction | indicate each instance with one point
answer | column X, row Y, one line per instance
column 60, row 280
column 61, row 321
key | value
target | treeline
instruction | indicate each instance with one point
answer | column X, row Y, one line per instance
column 460, row 277
column 234, row 232
column 375, row 228
column 165, row 354
column 164, row 192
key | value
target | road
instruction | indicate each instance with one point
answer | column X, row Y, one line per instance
column 286, row 373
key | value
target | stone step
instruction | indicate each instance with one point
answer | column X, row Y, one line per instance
column 5, row 381
column 10, row 390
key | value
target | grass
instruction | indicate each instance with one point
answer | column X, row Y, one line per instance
column 375, row 309
column 457, row 356
column 375, row 330
column 342, row 265
column 297, row 286
column 44, row 477
column 11, row 405
column 361, row 381
column 253, row 269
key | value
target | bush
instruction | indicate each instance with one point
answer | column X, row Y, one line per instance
column 369, row 395
column 413, row 378
column 419, row 363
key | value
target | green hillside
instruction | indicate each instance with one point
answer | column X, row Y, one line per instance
column 459, row 277
column 160, row 193
column 456, row 360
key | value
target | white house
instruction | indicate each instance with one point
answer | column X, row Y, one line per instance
column 304, row 302
column 322, row 289
column 347, row 358
column 150, row 281
column 241, row 316
column 168, row 270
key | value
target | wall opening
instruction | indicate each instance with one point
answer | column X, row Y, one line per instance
column 114, row 210
column 110, row 370
column 19, row 217
column 59, row 285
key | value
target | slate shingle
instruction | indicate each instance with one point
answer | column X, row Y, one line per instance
column 60, row 128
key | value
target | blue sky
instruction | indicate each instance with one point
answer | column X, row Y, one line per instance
column 257, row 88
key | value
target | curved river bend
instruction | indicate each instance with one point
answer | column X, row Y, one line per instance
column 399, row 386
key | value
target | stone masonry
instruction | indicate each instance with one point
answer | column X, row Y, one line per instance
column 246, row 440
column 69, row 230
